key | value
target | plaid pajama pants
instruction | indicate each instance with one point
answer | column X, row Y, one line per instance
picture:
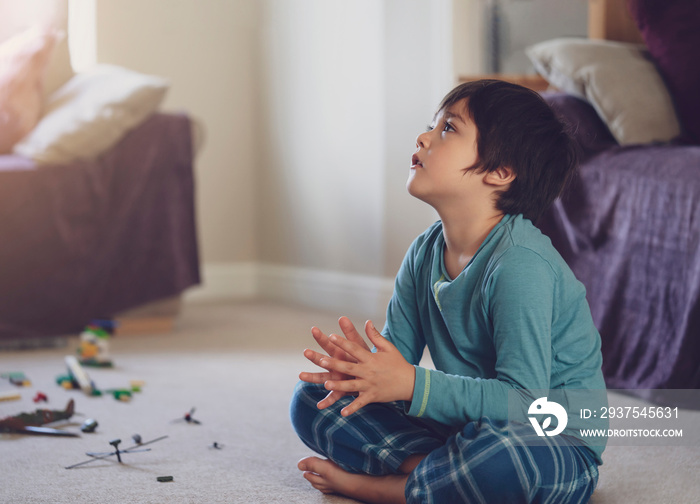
column 479, row 463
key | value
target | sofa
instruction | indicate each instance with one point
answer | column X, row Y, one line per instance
column 97, row 211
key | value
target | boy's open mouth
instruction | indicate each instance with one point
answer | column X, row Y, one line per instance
column 415, row 161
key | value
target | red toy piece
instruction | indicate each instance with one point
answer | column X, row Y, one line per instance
column 40, row 396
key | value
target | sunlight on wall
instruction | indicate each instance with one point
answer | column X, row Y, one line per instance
column 82, row 33
column 17, row 15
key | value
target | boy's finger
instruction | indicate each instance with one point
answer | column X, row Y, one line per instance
column 322, row 340
column 338, row 365
column 314, row 356
column 314, row 377
column 337, row 352
column 351, row 408
column 343, row 385
column 375, row 336
column 317, row 333
column 352, row 349
column 329, row 400
column 325, row 343
column 350, row 332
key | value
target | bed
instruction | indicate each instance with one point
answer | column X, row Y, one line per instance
column 97, row 213
column 629, row 225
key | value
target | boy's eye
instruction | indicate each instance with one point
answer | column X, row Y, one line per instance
column 445, row 127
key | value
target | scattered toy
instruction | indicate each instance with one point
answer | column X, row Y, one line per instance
column 136, row 385
column 120, row 394
column 30, row 423
column 10, row 396
column 137, row 438
column 17, row 378
column 188, row 418
column 115, row 443
column 94, row 343
column 164, row 479
column 40, row 397
column 79, row 375
column 69, row 382
column 216, row 446
column 89, row 425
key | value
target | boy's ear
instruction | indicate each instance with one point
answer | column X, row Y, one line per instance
column 501, row 176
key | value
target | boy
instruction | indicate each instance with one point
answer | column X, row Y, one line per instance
column 499, row 311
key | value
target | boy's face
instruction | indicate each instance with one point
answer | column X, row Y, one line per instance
column 445, row 151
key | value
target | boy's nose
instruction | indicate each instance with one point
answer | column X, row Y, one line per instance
column 422, row 140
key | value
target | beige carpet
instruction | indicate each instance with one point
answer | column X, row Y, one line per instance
column 237, row 364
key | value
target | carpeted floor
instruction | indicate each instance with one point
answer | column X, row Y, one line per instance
column 236, row 363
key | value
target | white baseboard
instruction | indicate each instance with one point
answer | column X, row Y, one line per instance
column 221, row 281
column 344, row 293
column 341, row 292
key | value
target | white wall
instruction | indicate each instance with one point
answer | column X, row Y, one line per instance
column 208, row 50
column 418, row 73
column 347, row 87
column 322, row 134
column 311, row 108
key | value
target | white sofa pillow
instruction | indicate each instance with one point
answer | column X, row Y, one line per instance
column 91, row 113
column 618, row 79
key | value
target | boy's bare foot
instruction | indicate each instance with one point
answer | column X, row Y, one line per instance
column 327, row 477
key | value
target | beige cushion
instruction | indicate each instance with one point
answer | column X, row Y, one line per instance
column 618, row 79
column 91, row 113
column 23, row 62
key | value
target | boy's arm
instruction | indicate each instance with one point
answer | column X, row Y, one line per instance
column 519, row 304
column 403, row 327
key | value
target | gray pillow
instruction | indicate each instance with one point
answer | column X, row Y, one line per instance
column 618, row 79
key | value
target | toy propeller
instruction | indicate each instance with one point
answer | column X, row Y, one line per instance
column 187, row 417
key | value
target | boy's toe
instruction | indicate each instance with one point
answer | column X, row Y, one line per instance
column 306, row 464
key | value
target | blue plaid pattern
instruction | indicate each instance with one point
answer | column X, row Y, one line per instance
column 488, row 462
column 375, row 440
column 484, row 462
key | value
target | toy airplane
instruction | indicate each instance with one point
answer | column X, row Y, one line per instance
column 115, row 442
column 30, row 423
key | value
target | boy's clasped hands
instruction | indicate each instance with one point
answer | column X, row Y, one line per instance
column 353, row 369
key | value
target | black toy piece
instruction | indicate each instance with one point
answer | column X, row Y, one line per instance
column 115, row 443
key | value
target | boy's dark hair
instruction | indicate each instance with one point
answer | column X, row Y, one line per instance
column 518, row 129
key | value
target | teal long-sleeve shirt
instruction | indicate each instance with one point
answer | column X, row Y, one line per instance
column 514, row 318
